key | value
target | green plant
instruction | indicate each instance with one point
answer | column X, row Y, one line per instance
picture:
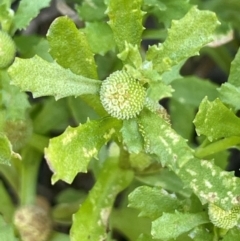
column 110, row 87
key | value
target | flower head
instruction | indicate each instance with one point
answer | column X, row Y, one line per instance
column 122, row 96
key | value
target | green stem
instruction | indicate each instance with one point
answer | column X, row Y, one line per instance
column 39, row 142
column 124, row 159
column 30, row 165
column 215, row 234
column 217, row 146
column 11, row 175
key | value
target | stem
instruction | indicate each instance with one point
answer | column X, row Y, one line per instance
column 29, row 175
column 215, row 234
column 11, row 175
column 124, row 159
column 39, row 142
column 217, row 146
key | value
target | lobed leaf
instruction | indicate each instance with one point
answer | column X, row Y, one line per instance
column 216, row 121
column 126, row 22
column 160, row 139
column 91, row 221
column 152, row 202
column 27, row 10
column 210, row 183
column 185, row 38
column 43, row 78
column 71, row 152
column 70, row 48
column 171, row 225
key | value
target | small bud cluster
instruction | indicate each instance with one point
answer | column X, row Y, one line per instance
column 7, row 50
column 223, row 219
column 122, row 96
column 32, row 223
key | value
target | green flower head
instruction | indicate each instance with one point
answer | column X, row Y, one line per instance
column 122, row 96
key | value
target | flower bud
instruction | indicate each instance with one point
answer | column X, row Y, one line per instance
column 32, row 223
column 7, row 50
column 223, row 219
column 122, row 96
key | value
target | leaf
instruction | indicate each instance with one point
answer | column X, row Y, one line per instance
column 30, row 45
column 131, row 56
column 122, row 219
column 43, row 78
column 227, row 11
column 131, row 136
column 182, row 116
column 91, row 221
column 100, row 37
column 6, row 231
column 200, row 233
column 155, row 3
column 230, row 92
column 171, row 225
column 14, row 102
column 159, row 139
column 230, row 95
column 70, row 48
column 27, row 10
column 91, row 11
column 71, row 152
column 146, row 237
column 6, row 15
column 157, row 91
column 233, row 234
column 216, row 121
column 53, row 116
column 6, row 205
column 126, row 22
column 81, row 111
column 183, row 39
column 6, row 153
column 235, row 70
column 166, row 179
column 166, row 11
column 191, row 90
column 210, row 183
column 173, row 73
column 152, row 202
